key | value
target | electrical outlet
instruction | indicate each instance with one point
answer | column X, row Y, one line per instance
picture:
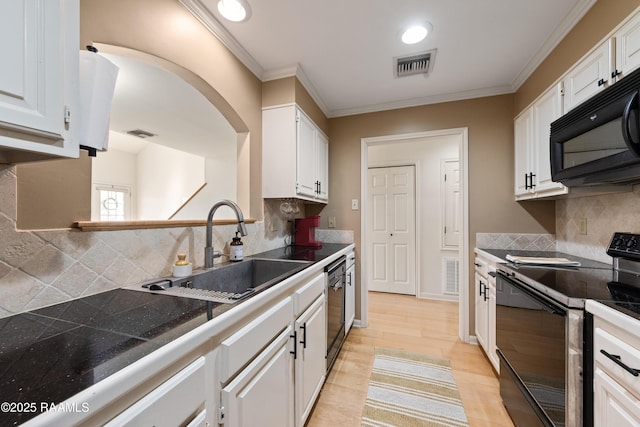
column 332, row 222
column 582, row 226
column 354, row 205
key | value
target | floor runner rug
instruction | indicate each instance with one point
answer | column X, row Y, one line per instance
column 410, row 389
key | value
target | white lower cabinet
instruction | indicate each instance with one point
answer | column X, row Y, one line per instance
column 181, row 400
column 616, row 360
column 613, row 406
column 310, row 361
column 271, row 371
column 485, row 306
column 262, row 393
column 256, row 371
column 350, row 293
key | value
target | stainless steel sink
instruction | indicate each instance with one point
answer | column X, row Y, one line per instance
column 229, row 282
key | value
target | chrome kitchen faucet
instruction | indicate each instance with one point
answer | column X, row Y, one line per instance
column 209, row 253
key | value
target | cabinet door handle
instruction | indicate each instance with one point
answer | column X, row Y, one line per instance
column 304, row 335
column 615, row 73
column 616, row 359
column 477, row 264
column 533, row 175
column 526, row 181
column 601, row 82
column 295, row 344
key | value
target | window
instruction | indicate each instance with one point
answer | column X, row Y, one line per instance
column 114, row 203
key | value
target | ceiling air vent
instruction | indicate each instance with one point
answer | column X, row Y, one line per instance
column 141, row 133
column 421, row 63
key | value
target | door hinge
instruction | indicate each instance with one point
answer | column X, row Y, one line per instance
column 445, row 230
column 221, row 415
column 445, row 177
column 67, row 114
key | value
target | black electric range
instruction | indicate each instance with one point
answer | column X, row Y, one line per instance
column 550, row 383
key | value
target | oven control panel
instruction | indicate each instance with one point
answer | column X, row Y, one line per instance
column 625, row 245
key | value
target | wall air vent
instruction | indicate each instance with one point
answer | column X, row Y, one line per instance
column 421, row 63
column 141, row 133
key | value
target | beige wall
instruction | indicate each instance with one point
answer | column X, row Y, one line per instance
column 490, row 126
column 289, row 90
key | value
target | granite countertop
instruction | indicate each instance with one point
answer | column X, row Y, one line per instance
column 53, row 353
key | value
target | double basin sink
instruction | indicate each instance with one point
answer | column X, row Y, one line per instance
column 229, row 282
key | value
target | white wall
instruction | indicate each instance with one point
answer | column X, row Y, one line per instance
column 167, row 178
column 220, row 176
column 426, row 154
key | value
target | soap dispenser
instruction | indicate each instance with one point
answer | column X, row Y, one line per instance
column 236, row 249
column 182, row 267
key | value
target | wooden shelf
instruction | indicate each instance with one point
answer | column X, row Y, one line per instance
column 139, row 225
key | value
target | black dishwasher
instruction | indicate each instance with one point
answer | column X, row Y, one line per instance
column 336, row 272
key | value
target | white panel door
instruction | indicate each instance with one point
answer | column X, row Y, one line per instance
column 391, row 230
column 452, row 207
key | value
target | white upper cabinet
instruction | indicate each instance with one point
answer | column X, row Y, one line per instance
column 607, row 63
column 39, row 46
column 627, row 42
column 589, row 76
column 532, row 132
column 295, row 156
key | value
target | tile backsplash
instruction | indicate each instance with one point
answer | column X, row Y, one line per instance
column 519, row 241
column 40, row 268
column 604, row 214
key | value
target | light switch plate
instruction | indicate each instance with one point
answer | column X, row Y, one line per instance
column 354, row 205
column 332, row 222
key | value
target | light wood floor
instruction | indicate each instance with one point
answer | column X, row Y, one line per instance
column 423, row 326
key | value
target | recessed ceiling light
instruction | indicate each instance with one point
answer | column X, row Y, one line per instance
column 234, row 10
column 416, row 33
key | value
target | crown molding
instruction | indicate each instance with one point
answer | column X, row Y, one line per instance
column 574, row 16
column 203, row 14
column 416, row 102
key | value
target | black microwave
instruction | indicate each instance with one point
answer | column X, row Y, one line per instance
column 598, row 142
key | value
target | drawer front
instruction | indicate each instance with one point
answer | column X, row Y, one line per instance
column 173, row 403
column 307, row 294
column 619, row 354
column 481, row 267
column 237, row 350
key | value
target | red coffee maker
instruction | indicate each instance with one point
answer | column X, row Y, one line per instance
column 306, row 231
